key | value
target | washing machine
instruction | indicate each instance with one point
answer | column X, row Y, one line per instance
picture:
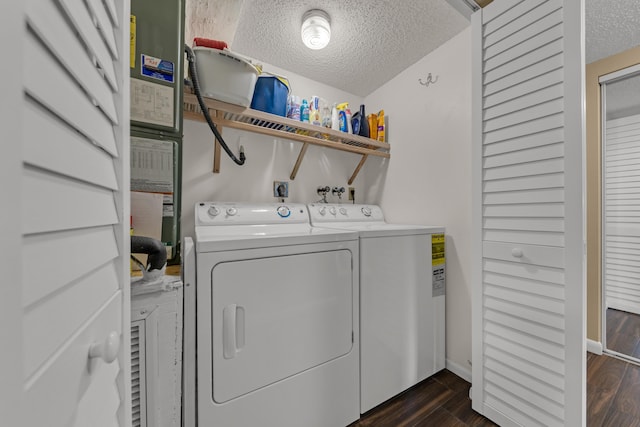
column 402, row 299
column 276, row 322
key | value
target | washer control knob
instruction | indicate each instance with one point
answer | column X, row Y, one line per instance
column 213, row 211
column 232, row 211
column 366, row 211
column 343, row 211
column 322, row 211
column 284, row 211
column 332, row 210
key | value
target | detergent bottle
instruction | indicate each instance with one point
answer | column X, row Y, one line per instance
column 364, row 124
column 344, row 115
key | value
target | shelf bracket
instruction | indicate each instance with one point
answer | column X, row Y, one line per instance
column 355, row 172
column 303, row 151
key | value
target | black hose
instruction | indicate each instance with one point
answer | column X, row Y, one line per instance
column 205, row 111
column 152, row 247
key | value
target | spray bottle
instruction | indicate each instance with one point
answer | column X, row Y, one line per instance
column 344, row 114
column 348, row 118
column 335, row 120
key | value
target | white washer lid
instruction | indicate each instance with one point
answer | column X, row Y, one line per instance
column 214, row 239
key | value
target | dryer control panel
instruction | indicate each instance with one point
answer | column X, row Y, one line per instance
column 234, row 213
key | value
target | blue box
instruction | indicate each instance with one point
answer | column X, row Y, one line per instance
column 270, row 95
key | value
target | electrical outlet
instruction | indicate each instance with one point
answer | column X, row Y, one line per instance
column 352, row 193
column 280, row 189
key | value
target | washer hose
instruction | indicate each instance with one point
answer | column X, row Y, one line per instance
column 157, row 259
column 205, row 111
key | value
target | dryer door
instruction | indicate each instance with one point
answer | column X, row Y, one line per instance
column 276, row 317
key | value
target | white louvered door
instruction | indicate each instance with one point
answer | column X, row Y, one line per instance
column 74, row 212
column 528, row 330
column 621, row 245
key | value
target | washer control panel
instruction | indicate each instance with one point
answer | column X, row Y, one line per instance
column 232, row 213
column 327, row 213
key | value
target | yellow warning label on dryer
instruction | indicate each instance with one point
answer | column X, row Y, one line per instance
column 437, row 249
column 438, row 280
column 132, row 42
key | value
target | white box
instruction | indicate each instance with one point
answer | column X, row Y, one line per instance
column 225, row 76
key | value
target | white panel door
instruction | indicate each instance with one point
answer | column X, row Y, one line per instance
column 528, row 329
column 69, row 127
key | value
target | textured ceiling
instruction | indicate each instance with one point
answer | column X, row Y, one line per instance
column 371, row 40
column 612, row 26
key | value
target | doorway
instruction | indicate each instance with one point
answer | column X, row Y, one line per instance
column 620, row 103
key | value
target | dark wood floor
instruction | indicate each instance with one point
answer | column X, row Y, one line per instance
column 613, row 392
column 623, row 332
column 613, row 400
column 441, row 400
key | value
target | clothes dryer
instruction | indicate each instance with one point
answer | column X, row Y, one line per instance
column 402, row 299
column 277, row 318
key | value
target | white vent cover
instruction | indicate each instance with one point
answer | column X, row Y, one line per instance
column 156, row 354
column 138, row 375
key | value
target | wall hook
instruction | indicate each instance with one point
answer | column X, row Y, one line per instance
column 429, row 81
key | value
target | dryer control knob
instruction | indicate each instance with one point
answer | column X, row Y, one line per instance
column 322, row 211
column 366, row 211
column 213, row 211
column 343, row 211
column 232, row 211
column 332, row 210
column 284, row 211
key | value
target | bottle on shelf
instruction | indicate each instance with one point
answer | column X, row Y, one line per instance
column 381, row 126
column 344, row 115
column 314, row 111
column 304, row 111
column 294, row 108
column 364, row 123
column 335, row 119
column 372, row 121
column 348, row 118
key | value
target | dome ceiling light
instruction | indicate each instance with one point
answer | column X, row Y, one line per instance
column 316, row 29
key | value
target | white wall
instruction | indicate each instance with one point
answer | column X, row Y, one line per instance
column 428, row 177
column 268, row 159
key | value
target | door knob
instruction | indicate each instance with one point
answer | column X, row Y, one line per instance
column 106, row 350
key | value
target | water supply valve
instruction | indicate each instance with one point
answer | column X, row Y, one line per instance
column 322, row 191
column 339, row 191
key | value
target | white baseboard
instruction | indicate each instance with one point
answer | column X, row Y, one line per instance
column 459, row 370
column 593, row 347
